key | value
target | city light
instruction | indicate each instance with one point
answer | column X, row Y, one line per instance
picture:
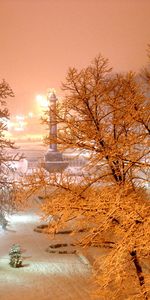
column 30, row 114
column 42, row 101
column 25, row 126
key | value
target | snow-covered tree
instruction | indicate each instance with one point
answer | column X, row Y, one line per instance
column 7, row 196
column 145, row 73
column 106, row 115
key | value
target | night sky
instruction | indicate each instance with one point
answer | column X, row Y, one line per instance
column 40, row 39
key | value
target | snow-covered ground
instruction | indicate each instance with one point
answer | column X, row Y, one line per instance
column 44, row 276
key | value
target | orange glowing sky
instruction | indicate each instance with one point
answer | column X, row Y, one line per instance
column 40, row 39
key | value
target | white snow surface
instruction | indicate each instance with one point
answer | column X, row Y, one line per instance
column 44, row 276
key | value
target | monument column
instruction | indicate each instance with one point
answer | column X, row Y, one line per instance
column 51, row 97
column 53, row 159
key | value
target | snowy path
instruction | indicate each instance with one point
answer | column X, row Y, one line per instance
column 45, row 276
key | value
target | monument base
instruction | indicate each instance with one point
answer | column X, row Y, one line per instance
column 54, row 162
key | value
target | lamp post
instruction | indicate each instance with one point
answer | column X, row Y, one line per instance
column 53, row 159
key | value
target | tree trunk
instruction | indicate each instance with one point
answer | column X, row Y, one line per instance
column 139, row 273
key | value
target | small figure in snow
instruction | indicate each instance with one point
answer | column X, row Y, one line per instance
column 15, row 256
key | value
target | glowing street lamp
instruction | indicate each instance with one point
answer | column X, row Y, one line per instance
column 42, row 101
